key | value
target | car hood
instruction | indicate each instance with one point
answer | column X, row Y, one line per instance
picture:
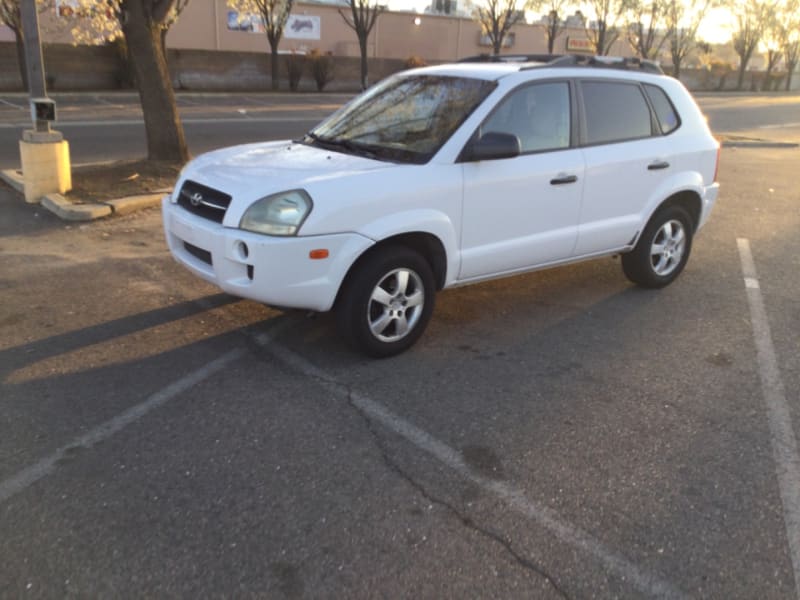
column 253, row 171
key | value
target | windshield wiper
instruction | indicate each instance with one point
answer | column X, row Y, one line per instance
column 340, row 143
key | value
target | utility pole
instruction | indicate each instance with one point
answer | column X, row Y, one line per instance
column 43, row 152
column 33, row 59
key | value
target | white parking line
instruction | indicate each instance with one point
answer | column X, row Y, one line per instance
column 45, row 466
column 514, row 497
column 6, row 102
column 784, row 443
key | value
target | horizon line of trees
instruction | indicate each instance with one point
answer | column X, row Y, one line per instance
column 653, row 26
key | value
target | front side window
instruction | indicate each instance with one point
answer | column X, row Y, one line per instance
column 615, row 112
column 404, row 118
column 539, row 115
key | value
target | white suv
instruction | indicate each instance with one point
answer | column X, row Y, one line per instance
column 451, row 175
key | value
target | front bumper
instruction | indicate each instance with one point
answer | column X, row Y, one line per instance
column 272, row 270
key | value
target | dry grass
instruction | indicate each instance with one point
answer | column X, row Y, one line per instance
column 97, row 183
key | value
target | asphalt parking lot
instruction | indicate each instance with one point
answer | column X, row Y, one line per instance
column 560, row 434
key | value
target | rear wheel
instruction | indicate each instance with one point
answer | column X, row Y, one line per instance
column 662, row 251
column 387, row 302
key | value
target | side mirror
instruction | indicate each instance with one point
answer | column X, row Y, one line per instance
column 493, row 145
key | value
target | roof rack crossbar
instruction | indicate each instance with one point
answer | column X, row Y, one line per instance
column 608, row 62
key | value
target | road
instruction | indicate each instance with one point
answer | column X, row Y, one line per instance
column 561, row 434
column 110, row 127
column 103, row 127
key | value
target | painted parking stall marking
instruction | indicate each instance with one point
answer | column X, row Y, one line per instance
column 784, row 443
column 47, row 465
column 646, row 583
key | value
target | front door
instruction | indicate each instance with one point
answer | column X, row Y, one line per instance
column 523, row 211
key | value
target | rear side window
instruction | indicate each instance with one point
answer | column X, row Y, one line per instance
column 665, row 112
column 615, row 112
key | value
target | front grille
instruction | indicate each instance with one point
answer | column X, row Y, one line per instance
column 203, row 255
column 204, row 201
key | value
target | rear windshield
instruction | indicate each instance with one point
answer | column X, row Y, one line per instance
column 405, row 118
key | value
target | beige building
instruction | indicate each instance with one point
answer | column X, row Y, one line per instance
column 212, row 25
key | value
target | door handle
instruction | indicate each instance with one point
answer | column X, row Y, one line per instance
column 657, row 166
column 561, row 180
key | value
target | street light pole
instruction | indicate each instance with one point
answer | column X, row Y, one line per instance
column 44, row 153
column 33, row 60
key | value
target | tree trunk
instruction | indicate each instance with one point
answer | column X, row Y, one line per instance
column 362, row 45
column 165, row 139
column 601, row 40
column 23, row 67
column 789, row 72
column 676, row 68
column 740, row 80
column 164, row 32
column 274, row 65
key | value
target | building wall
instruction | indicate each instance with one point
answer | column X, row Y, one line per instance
column 203, row 25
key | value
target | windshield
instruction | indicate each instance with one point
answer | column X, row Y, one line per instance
column 403, row 119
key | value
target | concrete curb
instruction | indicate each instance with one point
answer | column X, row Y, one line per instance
column 13, row 177
column 757, row 144
column 69, row 211
column 61, row 207
column 125, row 206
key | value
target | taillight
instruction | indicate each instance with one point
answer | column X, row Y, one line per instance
column 716, row 166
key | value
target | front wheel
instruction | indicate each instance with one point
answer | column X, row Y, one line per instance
column 661, row 253
column 386, row 302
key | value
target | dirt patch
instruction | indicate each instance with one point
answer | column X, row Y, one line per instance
column 99, row 183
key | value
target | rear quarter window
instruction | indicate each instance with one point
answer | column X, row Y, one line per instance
column 615, row 112
column 667, row 117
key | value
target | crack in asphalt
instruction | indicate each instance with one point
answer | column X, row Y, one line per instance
column 465, row 520
column 327, row 382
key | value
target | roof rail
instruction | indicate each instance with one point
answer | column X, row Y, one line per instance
column 607, row 62
column 510, row 58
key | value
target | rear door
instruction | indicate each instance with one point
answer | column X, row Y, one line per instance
column 627, row 159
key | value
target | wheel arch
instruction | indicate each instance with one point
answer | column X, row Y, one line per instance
column 426, row 244
column 688, row 200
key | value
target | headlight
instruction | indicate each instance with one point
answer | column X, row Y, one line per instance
column 278, row 214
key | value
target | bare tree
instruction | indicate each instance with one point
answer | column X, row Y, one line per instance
column 554, row 24
column 140, row 23
column 752, row 20
column 771, row 41
column 789, row 38
column 646, row 29
column 362, row 18
column 496, row 19
column 274, row 14
column 605, row 30
column 682, row 19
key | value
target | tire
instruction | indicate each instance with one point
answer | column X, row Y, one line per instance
column 386, row 302
column 663, row 249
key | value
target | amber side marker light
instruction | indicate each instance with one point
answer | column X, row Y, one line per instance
column 318, row 254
